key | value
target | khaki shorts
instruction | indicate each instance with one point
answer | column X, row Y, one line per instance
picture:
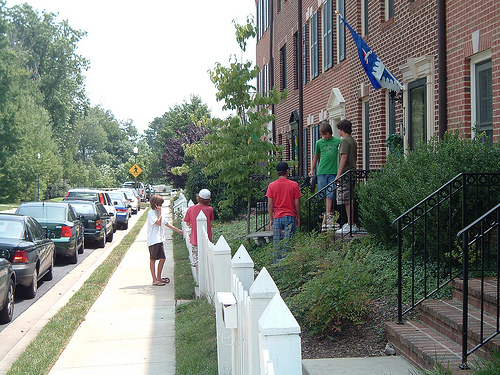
column 343, row 192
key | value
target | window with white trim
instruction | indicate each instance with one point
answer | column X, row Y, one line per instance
column 482, row 96
column 314, row 45
column 327, row 19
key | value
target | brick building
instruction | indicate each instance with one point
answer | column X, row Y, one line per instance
column 445, row 53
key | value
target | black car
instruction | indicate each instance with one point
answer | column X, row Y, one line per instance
column 97, row 222
column 7, row 287
column 62, row 224
column 32, row 254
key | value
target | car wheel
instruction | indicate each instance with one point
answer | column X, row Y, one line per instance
column 125, row 225
column 73, row 259
column 101, row 242
column 109, row 237
column 81, row 249
column 30, row 291
column 115, row 225
column 8, row 307
column 50, row 273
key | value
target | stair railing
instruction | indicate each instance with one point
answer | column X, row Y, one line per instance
column 426, row 235
column 481, row 258
column 315, row 204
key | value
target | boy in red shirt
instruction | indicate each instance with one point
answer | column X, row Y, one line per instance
column 203, row 198
column 283, row 205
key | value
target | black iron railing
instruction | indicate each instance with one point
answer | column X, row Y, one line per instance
column 428, row 255
column 481, row 258
column 315, row 204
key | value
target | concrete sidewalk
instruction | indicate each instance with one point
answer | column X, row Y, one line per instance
column 130, row 328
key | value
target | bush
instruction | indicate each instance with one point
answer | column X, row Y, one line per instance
column 406, row 181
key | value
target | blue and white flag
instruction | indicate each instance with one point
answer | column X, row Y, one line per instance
column 375, row 69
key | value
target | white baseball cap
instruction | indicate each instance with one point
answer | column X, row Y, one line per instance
column 204, row 194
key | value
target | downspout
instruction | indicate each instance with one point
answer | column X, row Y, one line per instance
column 271, row 65
column 442, row 87
column 301, row 92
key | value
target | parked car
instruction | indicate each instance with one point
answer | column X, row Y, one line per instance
column 133, row 198
column 7, row 287
column 138, row 187
column 32, row 254
column 122, row 213
column 95, row 195
column 97, row 222
column 117, row 194
column 62, row 224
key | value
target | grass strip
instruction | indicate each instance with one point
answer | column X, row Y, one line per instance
column 195, row 339
column 195, row 333
column 41, row 354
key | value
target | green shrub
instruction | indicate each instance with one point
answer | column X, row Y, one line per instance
column 404, row 182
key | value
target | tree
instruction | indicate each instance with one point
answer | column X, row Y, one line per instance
column 237, row 149
column 167, row 134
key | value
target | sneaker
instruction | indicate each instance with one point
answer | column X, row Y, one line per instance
column 345, row 229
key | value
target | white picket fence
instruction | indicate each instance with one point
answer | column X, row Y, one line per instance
column 256, row 332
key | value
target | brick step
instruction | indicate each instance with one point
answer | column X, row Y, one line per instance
column 425, row 348
column 446, row 317
column 490, row 300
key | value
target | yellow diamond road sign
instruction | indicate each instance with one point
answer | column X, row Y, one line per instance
column 135, row 170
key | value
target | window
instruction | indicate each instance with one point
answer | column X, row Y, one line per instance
column 314, row 138
column 278, row 6
column 341, row 31
column 389, row 9
column 366, row 133
column 482, row 99
column 327, row 35
column 314, row 45
column 417, row 124
column 364, row 17
column 304, row 54
column 267, row 85
column 283, row 67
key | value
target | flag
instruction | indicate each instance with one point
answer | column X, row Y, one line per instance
column 375, row 69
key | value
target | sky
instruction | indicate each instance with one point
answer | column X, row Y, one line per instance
column 148, row 56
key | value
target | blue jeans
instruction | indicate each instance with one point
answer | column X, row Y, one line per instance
column 324, row 180
column 283, row 228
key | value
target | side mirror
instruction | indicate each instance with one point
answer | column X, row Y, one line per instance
column 115, row 203
column 4, row 254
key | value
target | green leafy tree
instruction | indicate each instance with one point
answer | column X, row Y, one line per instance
column 237, row 149
column 47, row 49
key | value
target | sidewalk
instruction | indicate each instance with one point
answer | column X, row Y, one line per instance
column 130, row 328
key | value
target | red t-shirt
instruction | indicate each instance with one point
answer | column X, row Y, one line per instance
column 190, row 217
column 283, row 192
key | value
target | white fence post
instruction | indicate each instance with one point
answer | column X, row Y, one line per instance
column 242, row 265
column 261, row 292
column 279, row 340
column 222, row 266
column 201, row 230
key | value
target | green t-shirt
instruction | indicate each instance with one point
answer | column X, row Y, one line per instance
column 327, row 151
column 349, row 146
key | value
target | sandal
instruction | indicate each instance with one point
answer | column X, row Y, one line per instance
column 159, row 283
column 166, row 280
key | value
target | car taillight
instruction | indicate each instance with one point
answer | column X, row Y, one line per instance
column 67, row 194
column 65, row 231
column 121, row 210
column 20, row 257
column 101, row 198
column 98, row 224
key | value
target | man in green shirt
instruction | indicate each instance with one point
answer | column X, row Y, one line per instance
column 326, row 152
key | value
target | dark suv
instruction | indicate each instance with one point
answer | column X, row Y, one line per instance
column 97, row 223
column 97, row 195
